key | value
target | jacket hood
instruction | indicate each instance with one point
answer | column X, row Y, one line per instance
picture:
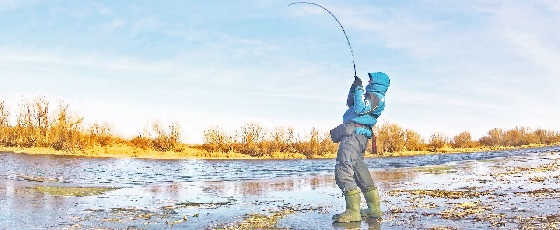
column 379, row 83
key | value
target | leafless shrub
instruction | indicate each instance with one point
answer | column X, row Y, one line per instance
column 217, row 140
column 100, row 134
column 437, row 141
column 390, row 138
column 66, row 130
column 4, row 114
column 494, row 138
column 462, row 140
column 142, row 142
column 166, row 140
column 251, row 135
column 312, row 145
column 414, row 141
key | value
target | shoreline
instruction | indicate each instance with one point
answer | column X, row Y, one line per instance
column 190, row 153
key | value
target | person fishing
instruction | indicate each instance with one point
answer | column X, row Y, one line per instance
column 364, row 108
column 351, row 172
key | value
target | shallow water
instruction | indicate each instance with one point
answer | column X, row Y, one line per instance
column 194, row 194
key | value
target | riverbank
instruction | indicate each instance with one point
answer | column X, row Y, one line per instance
column 126, row 151
column 190, row 152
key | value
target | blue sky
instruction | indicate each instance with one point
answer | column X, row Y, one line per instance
column 454, row 65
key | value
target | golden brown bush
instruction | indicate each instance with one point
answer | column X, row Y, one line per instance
column 413, row 141
column 40, row 118
column 100, row 134
column 516, row 137
column 462, row 140
column 311, row 147
column 158, row 138
column 494, row 138
column 250, row 137
column 390, row 138
column 141, row 142
column 279, row 140
column 7, row 138
column 327, row 146
column 66, row 131
column 437, row 141
column 4, row 114
column 217, row 140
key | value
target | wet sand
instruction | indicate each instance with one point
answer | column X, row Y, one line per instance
column 514, row 192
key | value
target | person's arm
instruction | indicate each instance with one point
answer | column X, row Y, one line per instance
column 364, row 103
column 350, row 99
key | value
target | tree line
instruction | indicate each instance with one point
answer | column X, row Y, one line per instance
column 254, row 140
column 36, row 125
column 393, row 138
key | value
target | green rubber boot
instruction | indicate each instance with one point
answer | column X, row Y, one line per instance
column 373, row 203
column 352, row 212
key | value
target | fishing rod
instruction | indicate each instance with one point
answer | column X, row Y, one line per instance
column 341, row 27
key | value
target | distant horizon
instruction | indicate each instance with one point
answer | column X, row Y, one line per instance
column 454, row 66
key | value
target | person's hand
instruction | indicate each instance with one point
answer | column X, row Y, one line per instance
column 357, row 81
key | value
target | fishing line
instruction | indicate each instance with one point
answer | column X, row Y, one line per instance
column 341, row 27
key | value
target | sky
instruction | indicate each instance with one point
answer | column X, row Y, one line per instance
column 454, row 65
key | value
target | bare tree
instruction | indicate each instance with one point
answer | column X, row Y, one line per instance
column 278, row 140
column 312, row 146
column 413, row 141
column 391, row 138
column 462, row 140
column 166, row 140
column 40, row 112
column 4, row 114
column 494, row 138
column 100, row 134
column 251, row 135
column 437, row 141
column 216, row 139
column 25, row 115
column 66, row 130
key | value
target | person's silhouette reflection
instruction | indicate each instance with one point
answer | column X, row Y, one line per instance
column 372, row 223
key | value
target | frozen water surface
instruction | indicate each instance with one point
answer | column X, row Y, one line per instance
column 505, row 189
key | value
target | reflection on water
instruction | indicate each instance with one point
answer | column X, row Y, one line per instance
column 373, row 224
column 259, row 187
column 122, row 172
column 155, row 193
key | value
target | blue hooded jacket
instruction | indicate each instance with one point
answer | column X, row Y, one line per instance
column 365, row 107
